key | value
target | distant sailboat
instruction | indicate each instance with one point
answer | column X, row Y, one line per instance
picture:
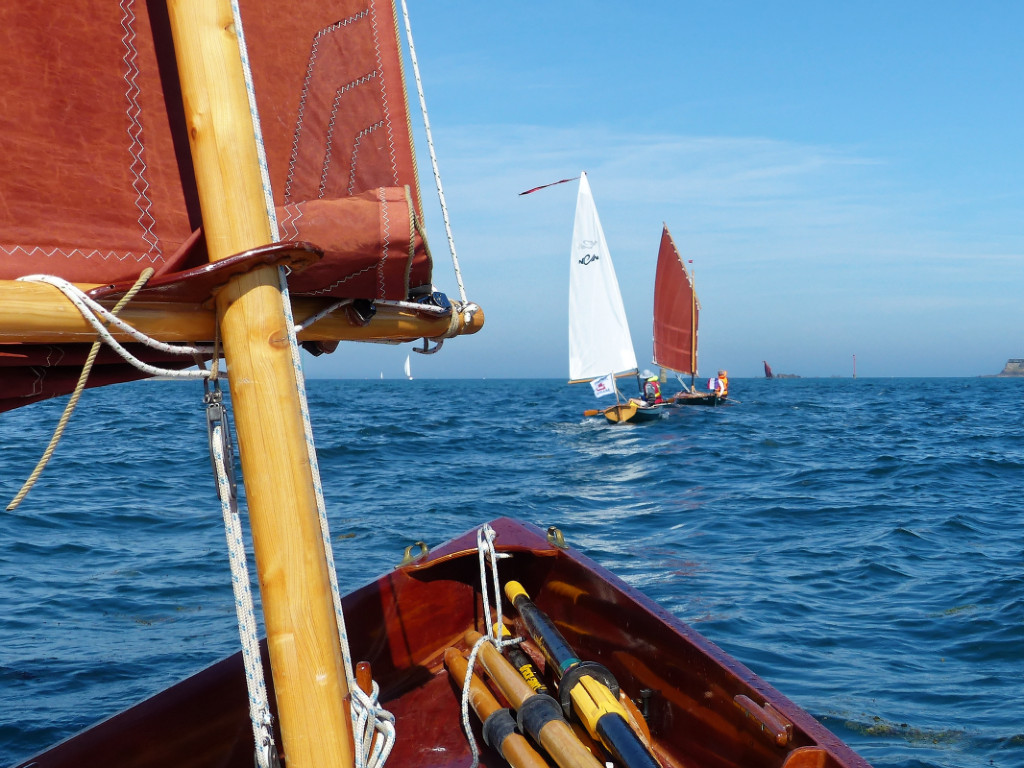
column 767, row 370
column 600, row 346
column 408, row 369
column 676, row 318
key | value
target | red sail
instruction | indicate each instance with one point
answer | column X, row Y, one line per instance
column 676, row 311
column 96, row 177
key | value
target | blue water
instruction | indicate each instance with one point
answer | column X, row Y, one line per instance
column 857, row 543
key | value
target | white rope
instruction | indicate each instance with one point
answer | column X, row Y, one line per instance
column 259, row 705
column 466, row 726
column 485, row 537
column 433, row 155
column 254, row 115
column 430, row 309
column 368, row 717
column 318, row 316
column 100, row 317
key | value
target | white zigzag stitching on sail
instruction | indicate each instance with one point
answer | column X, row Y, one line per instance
column 385, row 219
column 36, row 250
column 134, row 113
column 314, row 51
column 324, row 168
column 384, row 101
column 355, row 157
column 290, row 225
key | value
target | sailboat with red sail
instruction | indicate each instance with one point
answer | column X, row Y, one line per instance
column 269, row 180
column 676, row 321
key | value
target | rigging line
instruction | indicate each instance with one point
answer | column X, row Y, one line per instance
column 222, row 454
column 75, row 395
column 92, row 312
column 433, row 155
column 371, row 752
column 254, row 114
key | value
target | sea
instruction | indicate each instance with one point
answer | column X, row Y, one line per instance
column 855, row 542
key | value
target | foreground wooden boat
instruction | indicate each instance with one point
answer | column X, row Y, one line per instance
column 703, row 708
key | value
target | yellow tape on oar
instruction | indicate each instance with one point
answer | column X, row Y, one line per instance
column 521, row 660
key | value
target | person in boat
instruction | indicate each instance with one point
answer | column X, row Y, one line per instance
column 652, row 390
column 721, row 384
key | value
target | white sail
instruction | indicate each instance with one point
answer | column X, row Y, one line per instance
column 408, row 370
column 599, row 340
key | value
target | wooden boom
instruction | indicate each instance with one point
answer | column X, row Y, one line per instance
column 33, row 313
column 302, row 634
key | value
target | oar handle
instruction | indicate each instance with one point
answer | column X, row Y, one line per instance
column 538, row 715
column 587, row 690
column 498, row 725
column 556, row 649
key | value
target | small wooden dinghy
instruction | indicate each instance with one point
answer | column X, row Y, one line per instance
column 633, row 410
column 700, row 707
column 697, row 398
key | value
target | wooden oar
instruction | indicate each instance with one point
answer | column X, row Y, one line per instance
column 499, row 727
column 538, row 714
column 587, row 690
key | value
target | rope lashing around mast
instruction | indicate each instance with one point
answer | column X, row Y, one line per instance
column 369, row 719
column 486, row 552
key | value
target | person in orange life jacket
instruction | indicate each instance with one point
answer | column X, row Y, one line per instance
column 720, row 385
column 652, row 390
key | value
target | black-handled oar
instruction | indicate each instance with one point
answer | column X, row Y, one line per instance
column 587, row 690
column 521, row 660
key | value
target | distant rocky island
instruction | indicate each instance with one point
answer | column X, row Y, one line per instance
column 1013, row 367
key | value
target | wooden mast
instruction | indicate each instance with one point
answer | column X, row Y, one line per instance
column 693, row 327
column 301, row 629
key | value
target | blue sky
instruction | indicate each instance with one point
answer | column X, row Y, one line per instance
column 847, row 178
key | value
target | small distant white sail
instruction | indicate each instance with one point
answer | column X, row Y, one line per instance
column 408, row 370
column 599, row 340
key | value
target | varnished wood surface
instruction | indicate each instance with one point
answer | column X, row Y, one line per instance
column 403, row 623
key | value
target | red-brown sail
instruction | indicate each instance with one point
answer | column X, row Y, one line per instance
column 96, row 177
column 676, row 311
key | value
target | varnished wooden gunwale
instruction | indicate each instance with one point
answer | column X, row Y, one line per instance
column 403, row 622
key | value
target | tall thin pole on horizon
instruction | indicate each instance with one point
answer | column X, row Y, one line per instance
column 855, row 366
